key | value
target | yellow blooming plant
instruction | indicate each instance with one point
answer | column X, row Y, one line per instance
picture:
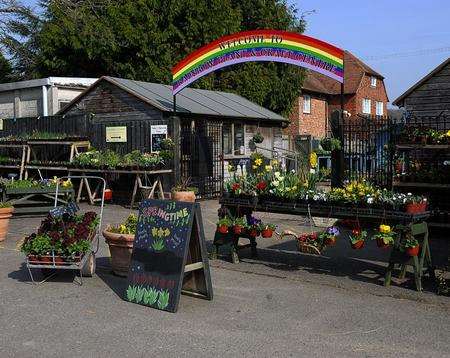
column 128, row 227
column 313, row 160
column 385, row 235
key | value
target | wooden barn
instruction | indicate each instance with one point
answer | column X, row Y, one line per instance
column 430, row 96
column 213, row 127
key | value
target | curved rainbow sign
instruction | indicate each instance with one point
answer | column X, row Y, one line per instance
column 260, row 45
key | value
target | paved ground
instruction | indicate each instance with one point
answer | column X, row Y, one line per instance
column 283, row 304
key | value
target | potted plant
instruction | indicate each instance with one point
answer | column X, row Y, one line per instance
column 258, row 138
column 224, row 224
column 6, row 210
column 239, row 225
column 357, row 238
column 384, row 237
column 38, row 248
column 266, row 230
column 120, row 240
column 183, row 192
column 412, row 246
column 253, row 227
column 329, row 236
column 330, row 144
column 415, row 204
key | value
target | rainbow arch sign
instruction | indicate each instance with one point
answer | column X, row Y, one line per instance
column 260, row 45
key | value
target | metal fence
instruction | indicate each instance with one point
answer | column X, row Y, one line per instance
column 202, row 156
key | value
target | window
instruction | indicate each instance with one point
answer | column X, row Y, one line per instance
column 306, row 104
column 366, row 106
column 379, row 109
column 233, row 139
column 373, row 81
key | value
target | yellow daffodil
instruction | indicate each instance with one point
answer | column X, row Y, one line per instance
column 448, row 133
column 385, row 229
column 258, row 162
column 313, row 159
column 268, row 168
column 254, row 166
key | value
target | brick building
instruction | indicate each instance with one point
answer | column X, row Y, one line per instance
column 364, row 94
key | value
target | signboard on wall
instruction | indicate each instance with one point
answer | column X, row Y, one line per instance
column 157, row 135
column 116, row 134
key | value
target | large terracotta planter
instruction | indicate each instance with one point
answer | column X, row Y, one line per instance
column 5, row 215
column 184, row 196
column 120, row 247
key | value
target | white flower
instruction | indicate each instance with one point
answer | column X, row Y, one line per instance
column 293, row 171
column 277, row 174
column 275, row 183
column 312, row 171
column 369, row 200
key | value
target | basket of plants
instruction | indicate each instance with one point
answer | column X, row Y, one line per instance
column 65, row 239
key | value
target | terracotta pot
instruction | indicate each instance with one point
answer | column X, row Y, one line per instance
column 358, row 245
column 416, row 208
column 59, row 261
column 108, row 194
column 413, row 251
column 382, row 245
column 5, row 214
column 184, row 196
column 267, row 233
column 330, row 241
column 223, row 229
column 120, row 247
column 237, row 229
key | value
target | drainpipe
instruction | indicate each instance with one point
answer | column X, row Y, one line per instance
column 44, row 101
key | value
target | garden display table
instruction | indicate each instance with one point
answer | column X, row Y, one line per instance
column 19, row 166
column 74, row 146
column 155, row 188
column 36, row 200
column 406, row 225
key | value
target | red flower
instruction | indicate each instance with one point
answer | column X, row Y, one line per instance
column 235, row 186
column 261, row 185
column 356, row 232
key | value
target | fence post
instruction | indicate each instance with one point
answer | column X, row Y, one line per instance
column 176, row 123
column 337, row 156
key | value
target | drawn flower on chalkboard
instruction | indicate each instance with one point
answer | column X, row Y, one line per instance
column 158, row 244
column 163, row 299
column 150, row 296
column 131, row 293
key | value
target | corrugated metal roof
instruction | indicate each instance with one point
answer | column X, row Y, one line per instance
column 195, row 101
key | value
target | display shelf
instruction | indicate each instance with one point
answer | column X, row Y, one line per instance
column 421, row 185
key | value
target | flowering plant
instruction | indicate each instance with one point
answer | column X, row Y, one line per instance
column 128, row 227
column 385, row 234
column 265, row 226
column 357, row 235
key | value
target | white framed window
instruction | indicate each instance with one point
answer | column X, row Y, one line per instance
column 62, row 104
column 306, row 103
column 379, row 109
column 373, row 81
column 233, row 139
column 366, row 104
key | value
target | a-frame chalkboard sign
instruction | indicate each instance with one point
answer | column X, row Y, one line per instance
column 169, row 255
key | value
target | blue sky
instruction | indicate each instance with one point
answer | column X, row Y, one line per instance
column 393, row 37
column 401, row 39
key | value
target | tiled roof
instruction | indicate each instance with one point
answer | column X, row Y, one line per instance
column 354, row 70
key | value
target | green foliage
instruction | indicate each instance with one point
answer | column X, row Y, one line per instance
column 144, row 39
column 6, row 74
column 411, row 242
column 40, row 245
column 79, row 247
column 163, row 299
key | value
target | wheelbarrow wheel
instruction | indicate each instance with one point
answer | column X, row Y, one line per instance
column 89, row 267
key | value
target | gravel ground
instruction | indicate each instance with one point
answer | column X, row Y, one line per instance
column 283, row 304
